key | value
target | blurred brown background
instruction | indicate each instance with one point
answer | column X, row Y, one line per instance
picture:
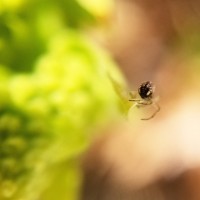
column 158, row 159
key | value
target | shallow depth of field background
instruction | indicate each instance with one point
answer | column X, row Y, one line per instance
column 66, row 131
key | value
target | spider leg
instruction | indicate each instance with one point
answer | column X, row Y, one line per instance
column 136, row 100
column 141, row 103
column 145, row 103
column 156, row 111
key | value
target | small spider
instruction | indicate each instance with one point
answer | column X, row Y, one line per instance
column 146, row 92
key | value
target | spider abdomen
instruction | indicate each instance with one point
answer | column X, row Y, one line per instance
column 146, row 90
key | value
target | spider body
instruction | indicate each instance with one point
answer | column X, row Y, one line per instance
column 146, row 92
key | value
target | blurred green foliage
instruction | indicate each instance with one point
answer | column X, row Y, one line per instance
column 27, row 26
column 55, row 93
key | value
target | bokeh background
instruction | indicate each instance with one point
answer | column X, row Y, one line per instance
column 66, row 127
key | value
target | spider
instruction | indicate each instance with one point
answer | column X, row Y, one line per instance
column 146, row 92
